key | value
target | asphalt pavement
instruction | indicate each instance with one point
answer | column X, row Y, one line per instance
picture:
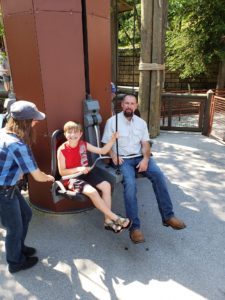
column 81, row 260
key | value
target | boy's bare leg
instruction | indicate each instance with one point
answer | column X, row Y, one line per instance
column 99, row 202
column 105, row 189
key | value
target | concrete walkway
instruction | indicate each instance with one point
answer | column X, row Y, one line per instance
column 80, row 260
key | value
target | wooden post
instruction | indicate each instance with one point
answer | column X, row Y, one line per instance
column 207, row 114
column 153, row 15
column 145, row 57
column 221, row 76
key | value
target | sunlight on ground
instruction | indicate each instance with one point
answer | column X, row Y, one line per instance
column 2, row 242
column 2, row 232
column 93, row 280
column 159, row 291
column 202, row 174
column 64, row 268
column 11, row 289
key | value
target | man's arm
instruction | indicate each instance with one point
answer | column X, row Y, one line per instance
column 108, row 131
column 146, row 151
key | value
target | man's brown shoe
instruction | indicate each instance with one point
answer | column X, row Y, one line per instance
column 137, row 236
column 174, row 223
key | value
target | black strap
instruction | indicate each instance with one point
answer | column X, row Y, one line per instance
column 133, row 46
column 85, row 46
column 116, row 83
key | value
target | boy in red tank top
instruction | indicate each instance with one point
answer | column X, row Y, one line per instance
column 72, row 158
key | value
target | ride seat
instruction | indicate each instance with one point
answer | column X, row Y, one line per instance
column 92, row 120
column 59, row 192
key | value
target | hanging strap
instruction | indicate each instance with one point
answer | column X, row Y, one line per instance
column 133, row 46
column 116, row 84
column 85, row 46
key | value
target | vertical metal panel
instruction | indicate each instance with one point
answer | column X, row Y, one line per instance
column 99, row 48
column 45, row 48
column 58, row 5
column 24, row 63
column 60, row 45
column 20, row 29
column 15, row 6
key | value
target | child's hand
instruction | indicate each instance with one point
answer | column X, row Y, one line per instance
column 86, row 170
column 81, row 170
column 115, row 136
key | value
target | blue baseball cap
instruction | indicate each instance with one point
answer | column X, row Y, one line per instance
column 25, row 110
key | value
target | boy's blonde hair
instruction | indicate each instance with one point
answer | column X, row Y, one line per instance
column 72, row 126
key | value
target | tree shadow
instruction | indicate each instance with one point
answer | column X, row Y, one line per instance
column 80, row 260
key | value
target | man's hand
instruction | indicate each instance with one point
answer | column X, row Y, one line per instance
column 114, row 159
column 143, row 165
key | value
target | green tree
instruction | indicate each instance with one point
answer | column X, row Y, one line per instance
column 195, row 37
column 127, row 34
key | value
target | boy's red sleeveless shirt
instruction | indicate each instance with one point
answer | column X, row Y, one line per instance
column 77, row 156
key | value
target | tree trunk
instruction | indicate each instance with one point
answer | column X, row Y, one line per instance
column 221, row 76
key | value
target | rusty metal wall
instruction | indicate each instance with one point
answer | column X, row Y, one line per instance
column 45, row 48
column 99, row 48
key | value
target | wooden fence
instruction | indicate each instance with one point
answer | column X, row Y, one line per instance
column 186, row 112
column 217, row 124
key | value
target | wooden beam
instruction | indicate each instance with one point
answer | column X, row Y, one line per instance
column 153, row 15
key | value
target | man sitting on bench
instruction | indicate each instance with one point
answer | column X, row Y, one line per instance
column 134, row 140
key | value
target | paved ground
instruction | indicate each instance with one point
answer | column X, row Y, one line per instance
column 80, row 260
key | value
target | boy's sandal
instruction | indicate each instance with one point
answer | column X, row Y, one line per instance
column 113, row 227
column 120, row 221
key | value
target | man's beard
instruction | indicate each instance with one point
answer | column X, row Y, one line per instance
column 128, row 114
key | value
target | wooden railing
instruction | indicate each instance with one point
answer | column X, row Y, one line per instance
column 217, row 128
column 186, row 112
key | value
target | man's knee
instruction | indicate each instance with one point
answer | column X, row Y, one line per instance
column 129, row 183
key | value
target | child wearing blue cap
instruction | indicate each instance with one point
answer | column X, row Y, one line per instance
column 16, row 159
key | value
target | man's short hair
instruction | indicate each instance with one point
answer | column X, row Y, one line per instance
column 130, row 94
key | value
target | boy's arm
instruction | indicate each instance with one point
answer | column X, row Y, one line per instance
column 106, row 148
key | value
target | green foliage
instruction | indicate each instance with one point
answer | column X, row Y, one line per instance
column 1, row 30
column 127, row 34
column 195, row 38
column 1, row 26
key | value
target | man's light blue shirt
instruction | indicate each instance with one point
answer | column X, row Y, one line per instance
column 131, row 134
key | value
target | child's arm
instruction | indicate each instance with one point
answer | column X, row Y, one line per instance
column 104, row 149
column 62, row 166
